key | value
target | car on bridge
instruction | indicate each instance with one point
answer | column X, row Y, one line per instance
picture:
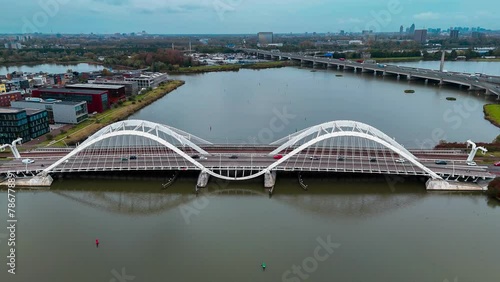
column 277, row 157
column 233, row 157
column 441, row 162
column 373, row 160
column 497, row 164
column 401, row 160
column 340, row 158
column 124, row 159
column 133, row 157
column 314, row 158
column 28, row 161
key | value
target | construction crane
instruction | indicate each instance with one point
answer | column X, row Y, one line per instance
column 470, row 159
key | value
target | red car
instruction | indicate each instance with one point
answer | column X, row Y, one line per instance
column 497, row 164
column 277, row 157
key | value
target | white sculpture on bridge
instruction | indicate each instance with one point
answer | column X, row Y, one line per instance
column 13, row 147
column 470, row 159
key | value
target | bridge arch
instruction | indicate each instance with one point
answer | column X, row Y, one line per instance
column 359, row 130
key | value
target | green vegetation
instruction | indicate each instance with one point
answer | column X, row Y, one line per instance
column 267, row 65
column 494, row 188
column 409, row 91
column 451, row 98
column 492, row 113
column 81, row 131
column 202, row 69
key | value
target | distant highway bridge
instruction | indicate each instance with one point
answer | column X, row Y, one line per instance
column 466, row 80
column 336, row 147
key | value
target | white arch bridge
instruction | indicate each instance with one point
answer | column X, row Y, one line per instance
column 338, row 146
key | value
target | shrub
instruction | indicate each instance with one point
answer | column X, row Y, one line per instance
column 49, row 136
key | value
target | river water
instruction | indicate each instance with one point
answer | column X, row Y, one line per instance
column 371, row 229
column 51, row 68
column 490, row 68
column 239, row 107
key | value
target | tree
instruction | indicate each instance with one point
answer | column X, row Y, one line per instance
column 497, row 140
column 106, row 72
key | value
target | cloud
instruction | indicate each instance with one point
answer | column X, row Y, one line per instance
column 427, row 16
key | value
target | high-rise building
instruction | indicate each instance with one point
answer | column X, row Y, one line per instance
column 412, row 29
column 265, row 38
column 401, row 29
column 420, row 35
column 454, row 34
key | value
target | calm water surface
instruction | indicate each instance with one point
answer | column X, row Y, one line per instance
column 381, row 234
column 51, row 68
column 382, row 229
column 239, row 107
column 491, row 68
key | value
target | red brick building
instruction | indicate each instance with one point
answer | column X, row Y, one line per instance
column 97, row 100
column 6, row 98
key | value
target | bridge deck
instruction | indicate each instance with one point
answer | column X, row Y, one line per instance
column 247, row 163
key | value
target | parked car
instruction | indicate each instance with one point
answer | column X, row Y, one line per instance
column 440, row 162
column 277, row 157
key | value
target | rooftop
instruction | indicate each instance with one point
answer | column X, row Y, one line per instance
column 10, row 110
column 51, row 102
column 72, row 91
column 30, row 112
column 95, row 86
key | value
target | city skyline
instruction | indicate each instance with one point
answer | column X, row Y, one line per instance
column 238, row 16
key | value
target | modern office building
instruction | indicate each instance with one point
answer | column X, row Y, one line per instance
column 38, row 122
column 7, row 97
column 149, row 79
column 58, row 111
column 131, row 87
column 420, row 35
column 116, row 93
column 97, row 100
column 27, row 124
column 265, row 38
column 454, row 34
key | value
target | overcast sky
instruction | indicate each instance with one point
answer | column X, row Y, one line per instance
column 241, row 16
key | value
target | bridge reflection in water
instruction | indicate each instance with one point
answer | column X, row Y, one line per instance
column 328, row 197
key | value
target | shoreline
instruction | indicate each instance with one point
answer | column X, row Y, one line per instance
column 492, row 113
column 80, row 132
column 235, row 67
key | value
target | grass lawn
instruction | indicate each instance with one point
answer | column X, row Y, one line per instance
column 492, row 113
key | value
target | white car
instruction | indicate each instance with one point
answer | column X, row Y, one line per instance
column 28, row 161
column 471, row 163
column 400, row 161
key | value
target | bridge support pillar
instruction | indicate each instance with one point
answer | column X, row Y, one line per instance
column 203, row 180
column 34, row 181
column 437, row 184
column 270, row 180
